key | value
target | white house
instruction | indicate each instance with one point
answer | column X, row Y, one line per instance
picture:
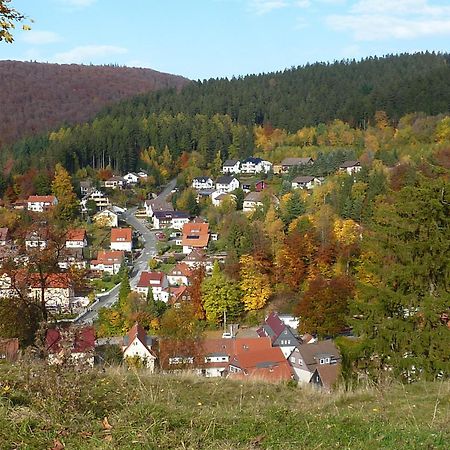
column 218, row 197
column 76, row 238
column 255, row 165
column 203, row 183
column 137, row 345
column 108, row 261
column 41, row 203
column 58, row 291
column 179, row 275
column 170, row 219
column 100, row 199
column 156, row 204
column 114, row 183
column 227, row 184
column 305, row 182
column 231, row 166
column 36, row 239
column 350, row 167
column 252, row 201
column 106, row 218
column 122, row 239
column 157, row 282
column 131, row 178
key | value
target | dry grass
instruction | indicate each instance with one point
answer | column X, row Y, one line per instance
column 41, row 406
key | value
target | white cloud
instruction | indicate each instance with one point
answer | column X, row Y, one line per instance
column 89, row 54
column 36, row 37
column 375, row 20
column 265, row 6
column 303, row 3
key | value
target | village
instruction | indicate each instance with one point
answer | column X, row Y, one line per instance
column 159, row 248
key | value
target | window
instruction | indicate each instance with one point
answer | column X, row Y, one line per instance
column 292, row 358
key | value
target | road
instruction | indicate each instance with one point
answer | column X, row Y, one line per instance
column 140, row 264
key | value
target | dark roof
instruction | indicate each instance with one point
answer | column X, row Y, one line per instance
column 171, row 215
column 225, row 179
column 329, row 374
column 230, row 162
column 252, row 159
column 254, row 197
column 303, row 179
column 83, row 340
column 296, row 161
column 312, row 352
column 275, row 323
column 203, row 179
column 347, row 164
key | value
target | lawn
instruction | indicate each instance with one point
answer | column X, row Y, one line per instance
column 44, row 408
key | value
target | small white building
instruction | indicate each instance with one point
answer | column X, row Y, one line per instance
column 131, row 178
column 350, row 167
column 252, row 201
column 231, row 166
column 157, row 282
column 106, row 218
column 305, row 182
column 76, row 238
column 100, row 199
column 179, row 275
column 108, row 261
column 114, row 183
column 170, row 219
column 122, row 239
column 203, row 183
column 255, row 165
column 36, row 239
column 41, row 203
column 137, row 345
column 227, row 184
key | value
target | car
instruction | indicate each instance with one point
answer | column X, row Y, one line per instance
column 227, row 335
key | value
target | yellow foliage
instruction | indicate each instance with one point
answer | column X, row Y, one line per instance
column 346, row 231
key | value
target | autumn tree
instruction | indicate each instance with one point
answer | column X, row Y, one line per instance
column 9, row 17
column 67, row 207
column 194, row 291
column 324, row 306
column 255, row 284
column 220, row 295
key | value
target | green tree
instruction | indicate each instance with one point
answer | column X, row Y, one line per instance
column 404, row 287
column 221, row 295
column 124, row 290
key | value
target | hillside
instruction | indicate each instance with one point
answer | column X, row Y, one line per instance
column 42, row 408
column 37, row 97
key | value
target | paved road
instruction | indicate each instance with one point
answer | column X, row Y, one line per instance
column 139, row 265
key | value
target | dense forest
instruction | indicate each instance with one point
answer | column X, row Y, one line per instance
column 219, row 115
column 38, row 97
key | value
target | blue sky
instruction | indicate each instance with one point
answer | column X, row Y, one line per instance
column 214, row 38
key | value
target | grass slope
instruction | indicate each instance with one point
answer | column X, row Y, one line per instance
column 42, row 408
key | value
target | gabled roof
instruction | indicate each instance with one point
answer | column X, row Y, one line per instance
column 225, row 179
column 252, row 160
column 296, row 161
column 121, row 235
column 41, row 199
column 311, row 353
column 137, row 332
column 176, row 293
column 329, row 374
column 146, row 279
column 348, row 164
column 230, row 162
column 303, row 179
column 77, row 234
column 254, row 197
column 159, row 204
column 195, row 235
column 171, row 215
column 203, row 179
column 197, row 255
column 181, row 268
column 108, row 257
column 52, row 281
column 83, row 340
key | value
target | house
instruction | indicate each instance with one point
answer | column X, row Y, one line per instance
column 350, row 167
column 108, row 261
column 137, row 345
column 106, row 218
column 261, row 363
column 179, row 275
column 85, row 187
column 55, row 290
column 170, row 219
column 9, row 349
column 231, row 166
column 203, row 183
column 305, row 182
column 122, row 239
column 198, row 258
column 71, row 345
column 142, row 175
column 254, row 165
column 306, row 358
column 252, row 201
column 100, row 199
column 195, row 236
column 288, row 163
column 178, row 294
column 156, row 204
column 72, row 257
column 41, row 203
column 280, row 334
column 227, row 183
column 114, row 183
column 37, row 239
column 131, row 178
column 157, row 281
column 4, row 236
column 326, row 375
column 76, row 238
column 218, row 197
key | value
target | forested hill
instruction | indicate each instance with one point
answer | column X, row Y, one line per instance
column 36, row 97
column 348, row 90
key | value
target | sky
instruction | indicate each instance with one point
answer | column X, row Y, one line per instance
column 202, row 39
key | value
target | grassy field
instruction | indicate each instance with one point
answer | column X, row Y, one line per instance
column 43, row 408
